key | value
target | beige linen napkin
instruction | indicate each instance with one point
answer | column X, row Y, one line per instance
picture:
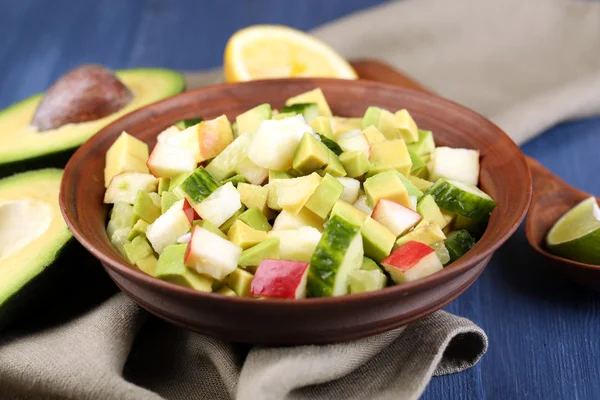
column 526, row 64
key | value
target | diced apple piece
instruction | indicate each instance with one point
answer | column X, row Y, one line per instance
column 351, row 189
column 167, row 160
column 354, row 141
column 280, row 279
column 189, row 211
column 457, row 164
column 124, row 187
column 412, row 261
column 168, row 227
column 220, row 205
column 252, row 172
column 211, row 255
column 214, row 135
column 126, row 154
column 361, row 204
column 167, row 133
column 395, row 217
column 298, row 244
column 275, row 142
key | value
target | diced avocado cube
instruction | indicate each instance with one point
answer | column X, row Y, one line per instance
column 252, row 257
column 245, row 236
column 410, row 187
column 309, row 111
column 325, row 196
column 406, row 127
column 225, row 291
column 209, row 226
column 227, row 224
column 386, row 185
column 312, row 96
column 377, row 239
column 426, row 232
column 235, row 180
column 255, row 219
column 310, row 155
column 176, row 180
column 147, row 264
column 279, row 175
column 361, row 281
column 356, row 163
column 418, row 164
column 348, row 213
column 420, row 183
column 139, row 228
column 322, row 126
column 138, row 248
column 381, row 119
column 121, row 216
column 240, row 282
column 430, row 211
column 171, row 268
column 391, row 154
column 163, row 185
column 373, row 135
column 145, row 208
column 340, row 125
column 292, row 194
column 255, row 196
column 167, row 199
column 126, row 154
column 424, row 145
column 249, row 121
column 334, row 167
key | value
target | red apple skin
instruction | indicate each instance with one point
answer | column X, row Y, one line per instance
column 278, row 278
column 188, row 249
column 407, row 256
column 189, row 211
column 151, row 159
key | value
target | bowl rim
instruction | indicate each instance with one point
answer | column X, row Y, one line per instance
column 122, row 268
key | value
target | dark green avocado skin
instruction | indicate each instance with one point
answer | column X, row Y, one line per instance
column 72, row 283
column 54, row 160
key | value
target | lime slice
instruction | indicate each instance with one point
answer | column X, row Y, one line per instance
column 576, row 235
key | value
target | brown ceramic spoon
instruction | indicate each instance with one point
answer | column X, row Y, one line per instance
column 552, row 197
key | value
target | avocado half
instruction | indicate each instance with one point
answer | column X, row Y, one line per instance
column 33, row 234
column 23, row 148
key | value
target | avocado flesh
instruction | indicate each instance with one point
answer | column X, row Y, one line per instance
column 22, row 147
column 32, row 233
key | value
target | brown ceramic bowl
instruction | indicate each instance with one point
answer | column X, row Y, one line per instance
column 504, row 175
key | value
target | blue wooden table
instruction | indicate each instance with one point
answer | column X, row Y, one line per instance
column 543, row 330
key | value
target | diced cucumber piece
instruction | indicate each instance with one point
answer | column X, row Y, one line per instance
column 475, row 228
column 197, row 187
column 420, row 183
column 458, row 244
column 463, row 199
column 339, row 252
column 410, row 187
column 309, row 111
column 186, row 123
column 121, row 216
column 331, row 144
column 176, row 180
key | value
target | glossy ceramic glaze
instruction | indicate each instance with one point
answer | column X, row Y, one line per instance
column 504, row 175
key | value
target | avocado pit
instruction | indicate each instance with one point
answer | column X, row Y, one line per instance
column 86, row 93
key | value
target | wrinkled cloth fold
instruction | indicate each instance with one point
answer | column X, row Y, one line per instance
column 525, row 64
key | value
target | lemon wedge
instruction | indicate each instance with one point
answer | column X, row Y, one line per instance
column 274, row 51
